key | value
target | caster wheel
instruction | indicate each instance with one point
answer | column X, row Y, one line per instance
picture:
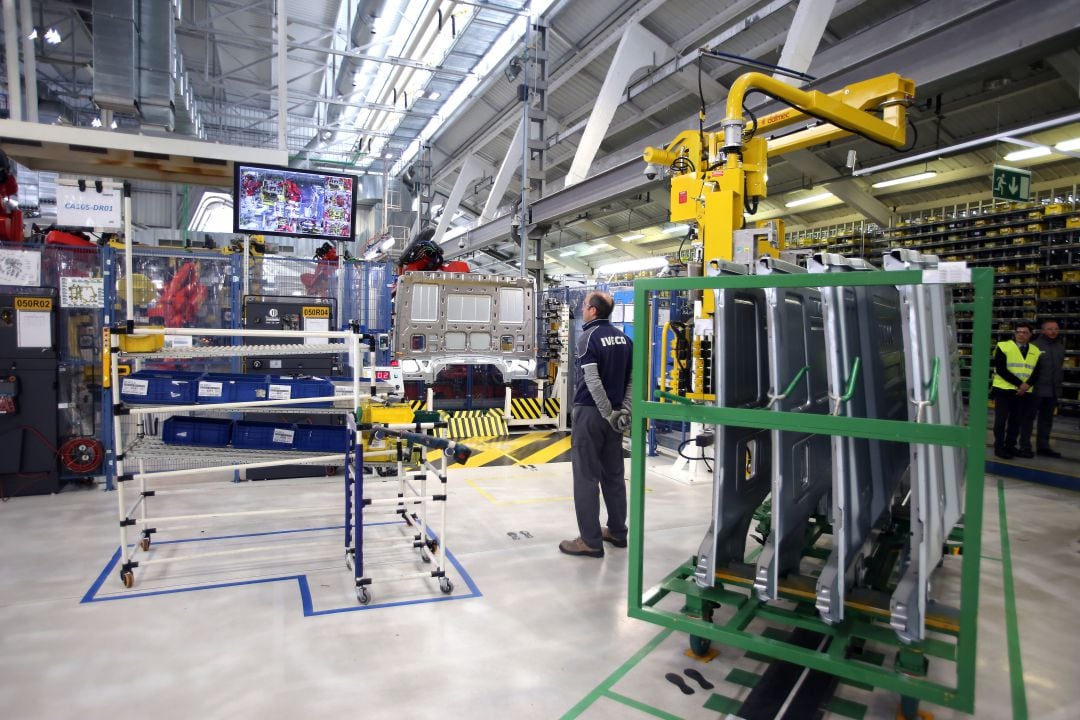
column 446, row 585
column 128, row 578
column 699, row 645
column 144, row 544
column 362, row 595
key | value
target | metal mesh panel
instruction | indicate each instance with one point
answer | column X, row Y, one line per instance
column 367, row 295
column 178, row 288
column 296, row 277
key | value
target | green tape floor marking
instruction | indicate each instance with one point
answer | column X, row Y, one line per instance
column 640, row 706
column 743, row 677
column 846, row 708
column 722, row 704
column 605, row 687
column 1012, row 625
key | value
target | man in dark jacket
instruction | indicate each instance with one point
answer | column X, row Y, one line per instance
column 602, row 403
column 1016, row 370
column 1048, row 387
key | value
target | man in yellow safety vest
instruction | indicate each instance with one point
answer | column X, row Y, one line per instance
column 1015, row 373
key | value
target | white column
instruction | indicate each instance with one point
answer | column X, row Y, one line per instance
column 638, row 48
column 26, row 21
column 804, row 36
column 282, row 76
column 471, row 169
column 11, row 58
column 510, row 163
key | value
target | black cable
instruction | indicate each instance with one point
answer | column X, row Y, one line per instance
column 684, row 456
column 751, row 62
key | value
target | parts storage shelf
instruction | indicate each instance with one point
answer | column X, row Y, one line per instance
column 1034, row 250
column 144, row 460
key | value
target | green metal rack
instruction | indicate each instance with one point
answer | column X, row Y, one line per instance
column 952, row 632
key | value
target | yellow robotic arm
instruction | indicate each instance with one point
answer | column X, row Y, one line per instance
column 715, row 175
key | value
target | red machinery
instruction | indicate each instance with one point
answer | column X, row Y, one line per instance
column 11, row 220
column 317, row 283
column 424, row 254
column 180, row 300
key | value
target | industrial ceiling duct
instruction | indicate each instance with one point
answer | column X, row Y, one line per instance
column 115, row 68
column 156, row 38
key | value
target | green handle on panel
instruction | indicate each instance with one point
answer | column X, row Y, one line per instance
column 934, row 381
column 851, row 380
column 795, row 381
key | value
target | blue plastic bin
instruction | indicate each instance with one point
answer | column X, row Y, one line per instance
column 256, row 435
column 283, row 387
column 159, row 388
column 208, row 432
column 231, row 387
column 321, row 438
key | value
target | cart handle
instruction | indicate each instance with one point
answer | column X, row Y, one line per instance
column 849, row 392
column 932, row 386
column 791, row 386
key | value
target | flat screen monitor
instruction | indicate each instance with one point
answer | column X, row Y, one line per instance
column 272, row 200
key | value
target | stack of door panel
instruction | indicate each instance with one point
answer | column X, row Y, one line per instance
column 863, row 352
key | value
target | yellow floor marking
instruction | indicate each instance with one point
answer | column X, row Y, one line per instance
column 526, row 501
column 551, row 451
column 495, row 450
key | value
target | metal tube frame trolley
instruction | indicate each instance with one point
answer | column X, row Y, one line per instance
column 950, row 632
column 136, row 451
column 409, row 499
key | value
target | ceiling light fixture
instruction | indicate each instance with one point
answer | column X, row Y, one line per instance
column 52, row 36
column 1068, row 145
column 434, row 95
column 113, row 124
column 628, row 238
column 635, row 265
column 566, row 253
column 810, row 199
column 32, row 35
column 676, row 229
column 906, row 179
column 1028, row 153
column 96, row 122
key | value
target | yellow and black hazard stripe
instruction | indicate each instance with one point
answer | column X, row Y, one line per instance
column 486, row 425
column 418, row 404
column 551, row 407
column 525, row 409
column 496, row 412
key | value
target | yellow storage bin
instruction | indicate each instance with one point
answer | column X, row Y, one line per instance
column 141, row 343
column 1072, row 221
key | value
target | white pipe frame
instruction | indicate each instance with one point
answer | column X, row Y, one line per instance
column 351, row 344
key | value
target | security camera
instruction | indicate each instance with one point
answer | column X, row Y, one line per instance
column 651, row 171
column 461, row 244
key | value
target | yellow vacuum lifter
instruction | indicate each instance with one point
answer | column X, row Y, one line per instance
column 716, row 175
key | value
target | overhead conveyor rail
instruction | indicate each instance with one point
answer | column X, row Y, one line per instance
column 727, row 610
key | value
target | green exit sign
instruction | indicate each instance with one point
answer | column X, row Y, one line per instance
column 1011, row 184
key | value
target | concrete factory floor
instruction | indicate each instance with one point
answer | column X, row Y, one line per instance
column 526, row 633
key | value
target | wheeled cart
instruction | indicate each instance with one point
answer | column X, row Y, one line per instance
column 158, row 470
column 408, row 495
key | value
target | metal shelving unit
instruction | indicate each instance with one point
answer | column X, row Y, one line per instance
column 136, row 450
column 729, row 612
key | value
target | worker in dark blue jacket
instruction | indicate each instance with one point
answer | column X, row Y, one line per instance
column 601, row 414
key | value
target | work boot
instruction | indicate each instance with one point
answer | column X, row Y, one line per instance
column 1047, row 452
column 577, row 546
column 608, row 537
column 1003, row 453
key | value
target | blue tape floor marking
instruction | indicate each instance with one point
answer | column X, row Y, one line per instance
column 1043, row 477
column 301, row 580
